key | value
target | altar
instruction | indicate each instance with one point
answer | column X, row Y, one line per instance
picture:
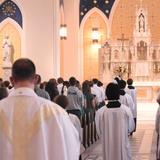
column 147, row 91
column 137, row 58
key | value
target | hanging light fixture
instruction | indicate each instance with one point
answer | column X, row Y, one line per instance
column 63, row 31
column 95, row 35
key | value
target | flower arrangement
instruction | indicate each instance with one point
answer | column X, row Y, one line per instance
column 120, row 70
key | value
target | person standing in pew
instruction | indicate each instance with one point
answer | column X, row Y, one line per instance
column 114, row 121
column 89, row 99
column 76, row 99
column 97, row 91
column 62, row 101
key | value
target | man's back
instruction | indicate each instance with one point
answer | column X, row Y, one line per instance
column 113, row 126
column 32, row 128
column 113, row 137
column 127, row 100
column 132, row 93
column 75, row 97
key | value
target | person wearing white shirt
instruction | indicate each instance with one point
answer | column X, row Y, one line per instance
column 114, row 122
column 62, row 100
column 60, row 85
column 33, row 128
column 97, row 91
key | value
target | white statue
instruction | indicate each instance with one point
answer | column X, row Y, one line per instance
column 7, row 49
column 141, row 23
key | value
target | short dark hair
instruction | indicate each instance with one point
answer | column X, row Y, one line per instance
column 6, row 83
column 60, row 80
column 23, row 69
column 99, row 84
column 95, row 80
column 61, row 100
column 130, row 81
column 72, row 81
column 112, row 91
column 66, row 83
column 122, row 84
column 86, row 87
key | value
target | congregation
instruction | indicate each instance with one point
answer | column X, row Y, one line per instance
column 58, row 120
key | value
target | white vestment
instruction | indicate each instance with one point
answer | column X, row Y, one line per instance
column 33, row 128
column 99, row 92
column 157, row 126
column 115, row 124
column 98, row 120
column 127, row 100
column 133, row 94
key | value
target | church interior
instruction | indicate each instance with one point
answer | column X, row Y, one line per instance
column 90, row 39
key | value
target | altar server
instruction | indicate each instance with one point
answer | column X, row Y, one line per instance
column 114, row 121
column 131, row 90
column 125, row 98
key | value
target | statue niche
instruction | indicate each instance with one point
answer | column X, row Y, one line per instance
column 138, row 57
column 142, row 50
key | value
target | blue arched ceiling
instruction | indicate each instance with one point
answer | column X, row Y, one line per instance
column 104, row 5
column 9, row 9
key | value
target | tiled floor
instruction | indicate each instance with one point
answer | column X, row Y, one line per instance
column 143, row 142
column 143, row 145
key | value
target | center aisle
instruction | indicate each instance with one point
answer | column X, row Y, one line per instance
column 143, row 144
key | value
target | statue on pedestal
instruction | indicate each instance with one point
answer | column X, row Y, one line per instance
column 7, row 51
column 7, row 54
column 141, row 23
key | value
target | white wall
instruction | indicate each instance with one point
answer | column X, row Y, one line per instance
column 41, row 36
column 38, row 28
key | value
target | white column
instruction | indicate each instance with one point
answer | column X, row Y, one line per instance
column 56, row 40
column 71, row 16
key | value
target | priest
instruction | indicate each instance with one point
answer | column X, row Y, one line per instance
column 114, row 121
column 31, row 127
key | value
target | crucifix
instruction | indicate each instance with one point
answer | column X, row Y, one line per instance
column 123, row 39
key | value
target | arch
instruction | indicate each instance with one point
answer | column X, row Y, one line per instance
column 13, row 30
column 81, row 47
column 112, row 12
column 10, row 20
column 18, row 28
column 9, row 9
column 95, row 9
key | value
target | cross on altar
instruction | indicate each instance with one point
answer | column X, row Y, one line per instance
column 123, row 39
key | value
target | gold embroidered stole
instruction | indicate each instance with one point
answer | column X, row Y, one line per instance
column 22, row 130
